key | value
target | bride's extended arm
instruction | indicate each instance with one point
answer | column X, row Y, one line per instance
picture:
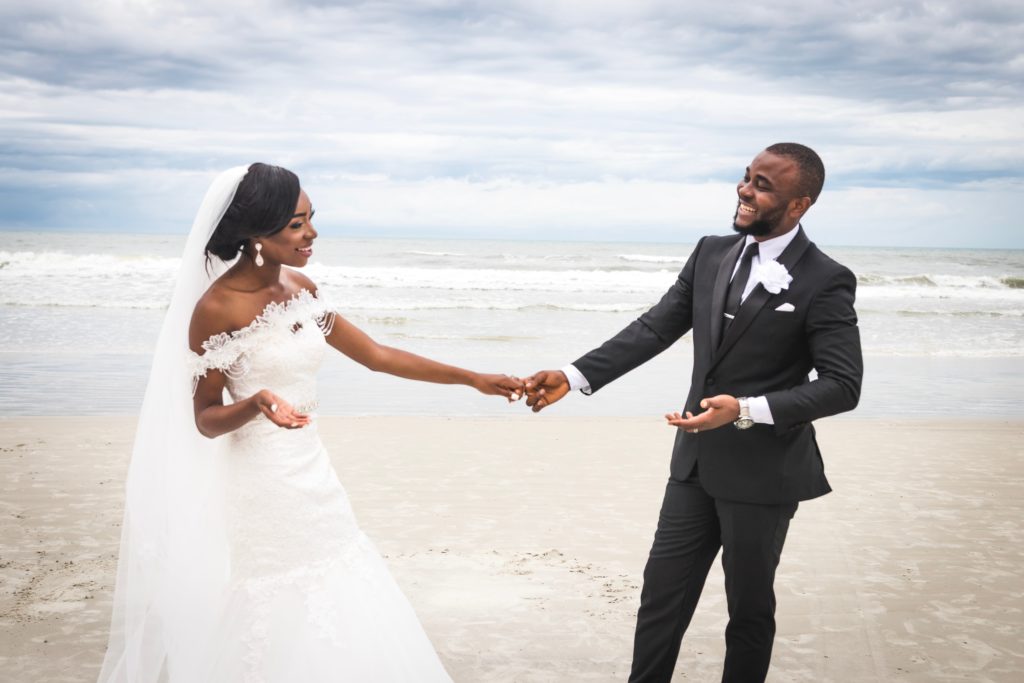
column 358, row 346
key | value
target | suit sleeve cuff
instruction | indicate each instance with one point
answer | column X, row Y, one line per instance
column 577, row 380
column 759, row 410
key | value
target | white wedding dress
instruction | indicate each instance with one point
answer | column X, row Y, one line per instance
column 309, row 598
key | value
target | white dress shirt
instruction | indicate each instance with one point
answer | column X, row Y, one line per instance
column 768, row 250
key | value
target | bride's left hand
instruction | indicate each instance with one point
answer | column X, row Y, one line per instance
column 279, row 411
column 510, row 387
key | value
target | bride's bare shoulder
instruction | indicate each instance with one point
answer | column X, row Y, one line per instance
column 298, row 281
column 224, row 309
column 214, row 314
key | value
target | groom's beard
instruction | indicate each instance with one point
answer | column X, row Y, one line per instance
column 762, row 226
column 758, row 228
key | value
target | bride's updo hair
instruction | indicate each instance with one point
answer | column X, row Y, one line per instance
column 263, row 204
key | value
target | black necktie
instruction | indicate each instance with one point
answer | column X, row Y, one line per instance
column 739, row 283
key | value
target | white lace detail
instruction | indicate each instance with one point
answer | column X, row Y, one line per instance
column 304, row 577
column 229, row 351
column 357, row 562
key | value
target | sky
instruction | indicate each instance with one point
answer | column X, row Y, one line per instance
column 625, row 120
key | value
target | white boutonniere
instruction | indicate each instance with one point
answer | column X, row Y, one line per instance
column 773, row 276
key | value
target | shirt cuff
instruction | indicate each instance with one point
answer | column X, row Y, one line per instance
column 577, row 380
column 759, row 410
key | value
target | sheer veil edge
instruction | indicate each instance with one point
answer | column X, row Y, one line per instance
column 173, row 565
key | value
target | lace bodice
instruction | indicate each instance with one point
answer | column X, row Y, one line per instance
column 282, row 494
column 280, row 350
column 309, row 599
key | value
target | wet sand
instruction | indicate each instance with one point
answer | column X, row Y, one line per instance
column 521, row 544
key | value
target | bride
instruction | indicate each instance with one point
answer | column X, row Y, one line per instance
column 241, row 559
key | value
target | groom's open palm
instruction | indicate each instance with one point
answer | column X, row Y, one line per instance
column 544, row 388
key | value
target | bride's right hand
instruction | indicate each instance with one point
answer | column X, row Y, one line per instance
column 279, row 411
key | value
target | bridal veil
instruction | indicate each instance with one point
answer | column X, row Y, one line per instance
column 173, row 564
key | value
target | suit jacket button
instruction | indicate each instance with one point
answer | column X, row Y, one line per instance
column 709, row 381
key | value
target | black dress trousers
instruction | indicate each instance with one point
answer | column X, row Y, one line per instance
column 692, row 526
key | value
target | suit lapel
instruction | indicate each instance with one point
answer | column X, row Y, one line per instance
column 718, row 292
column 757, row 298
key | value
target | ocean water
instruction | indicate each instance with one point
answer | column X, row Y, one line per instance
column 943, row 330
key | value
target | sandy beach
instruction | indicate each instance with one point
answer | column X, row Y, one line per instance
column 521, row 544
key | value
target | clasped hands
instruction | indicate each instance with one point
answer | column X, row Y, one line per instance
column 549, row 386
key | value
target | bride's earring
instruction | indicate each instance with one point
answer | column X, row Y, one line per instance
column 259, row 256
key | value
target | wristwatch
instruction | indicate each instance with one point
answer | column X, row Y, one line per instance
column 744, row 421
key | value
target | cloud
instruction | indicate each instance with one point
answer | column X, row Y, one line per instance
column 534, row 110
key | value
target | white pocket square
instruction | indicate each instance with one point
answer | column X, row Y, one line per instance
column 786, row 308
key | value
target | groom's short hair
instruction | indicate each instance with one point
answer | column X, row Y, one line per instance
column 812, row 169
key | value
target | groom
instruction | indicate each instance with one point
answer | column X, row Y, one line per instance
column 766, row 306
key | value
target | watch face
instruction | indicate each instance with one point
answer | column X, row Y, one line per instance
column 744, row 423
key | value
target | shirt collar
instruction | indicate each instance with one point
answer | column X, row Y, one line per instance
column 772, row 249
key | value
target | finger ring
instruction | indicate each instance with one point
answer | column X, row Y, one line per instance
column 695, row 430
column 273, row 407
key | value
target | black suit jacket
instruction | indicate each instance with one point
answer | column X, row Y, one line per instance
column 764, row 352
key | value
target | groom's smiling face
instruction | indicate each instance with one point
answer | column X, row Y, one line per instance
column 768, row 196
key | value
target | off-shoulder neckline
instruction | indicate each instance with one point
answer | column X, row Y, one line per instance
column 272, row 310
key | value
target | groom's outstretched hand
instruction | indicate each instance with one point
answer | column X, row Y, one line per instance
column 718, row 411
column 544, row 388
